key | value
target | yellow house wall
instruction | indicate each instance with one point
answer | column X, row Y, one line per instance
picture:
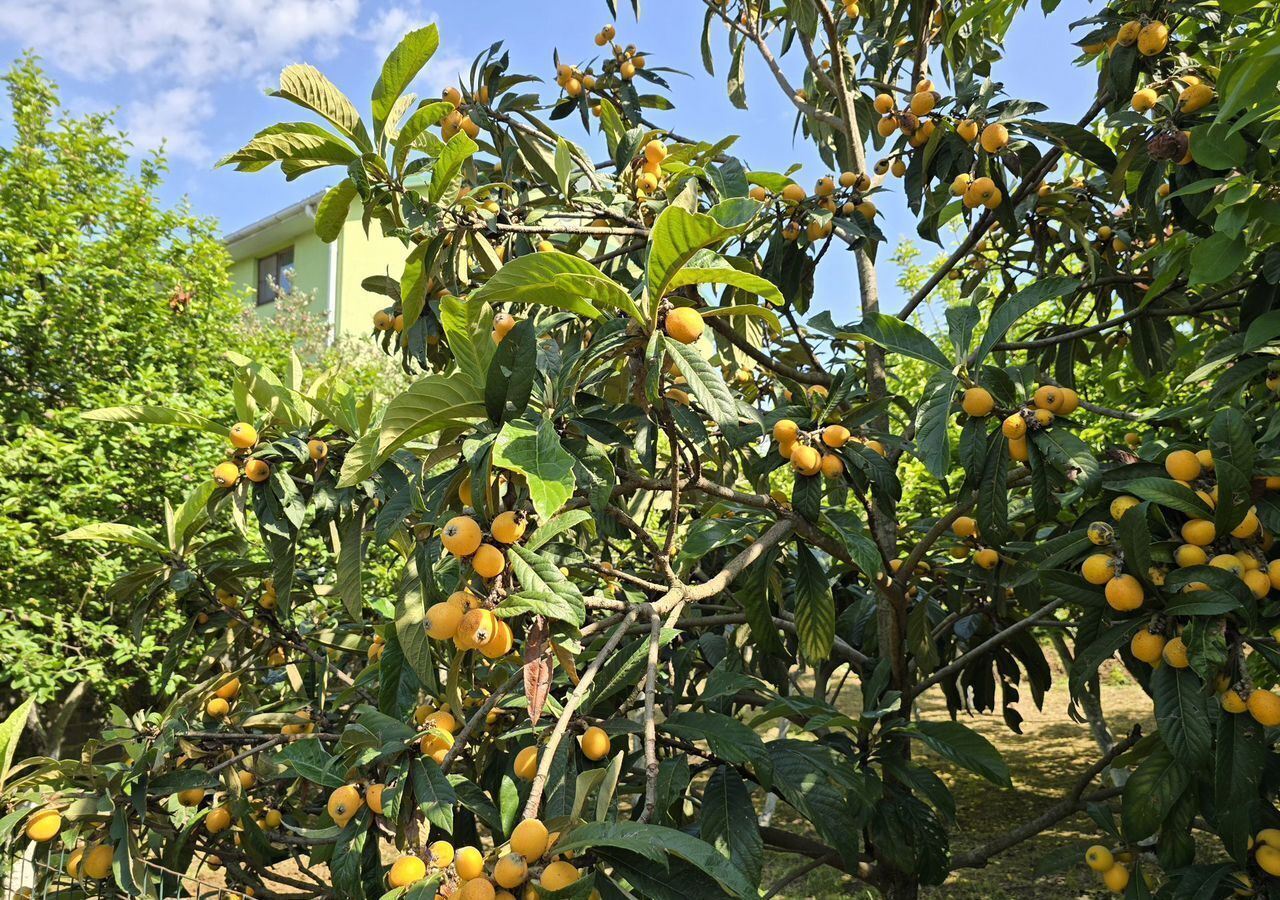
column 358, row 258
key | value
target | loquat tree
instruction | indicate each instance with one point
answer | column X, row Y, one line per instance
column 640, row 516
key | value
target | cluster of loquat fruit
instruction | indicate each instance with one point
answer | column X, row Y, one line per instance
column 1047, row 403
column 243, row 438
column 464, row 873
column 1241, row 552
column 918, row 121
column 842, row 195
column 809, row 451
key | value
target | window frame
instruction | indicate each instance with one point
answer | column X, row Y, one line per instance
column 273, row 264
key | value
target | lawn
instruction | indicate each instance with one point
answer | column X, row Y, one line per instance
column 1044, row 760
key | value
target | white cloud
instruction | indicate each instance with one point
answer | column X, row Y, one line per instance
column 172, row 119
column 184, row 48
column 173, row 55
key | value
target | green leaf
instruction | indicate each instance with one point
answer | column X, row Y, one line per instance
column 815, row 607
column 10, row 732
column 459, row 149
column 413, row 283
column 410, row 614
column 307, row 87
column 429, row 404
column 509, row 382
column 897, row 336
column 1151, row 793
column 707, row 267
column 155, row 415
column 1069, row 454
column 1017, row 306
column 468, row 333
column 1218, row 146
column 759, row 312
column 415, row 127
column 706, row 383
column 542, row 603
column 656, row 842
column 556, row 526
column 730, row 739
column 964, row 747
column 728, row 822
column 678, row 234
column 435, row 795
column 1181, row 714
column 1100, row 649
column 294, row 142
column 332, row 210
column 564, row 166
column 1075, row 140
column 559, row 280
column 192, row 511
column 539, row 576
column 1168, row 493
column 401, row 66
column 535, row 452
column 1240, row 758
column 933, row 444
column 347, row 534
column 116, row 533
column 309, row 760
column 1216, row 258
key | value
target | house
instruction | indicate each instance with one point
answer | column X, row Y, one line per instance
column 284, row 248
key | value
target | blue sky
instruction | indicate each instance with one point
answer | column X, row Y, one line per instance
column 191, row 74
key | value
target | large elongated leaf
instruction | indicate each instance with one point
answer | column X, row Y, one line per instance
column 466, row 329
column 331, row 212
column 290, row 141
column 10, row 732
column 678, row 234
column 539, row 576
column 509, row 381
column 1018, row 306
column 401, row 66
column 459, row 149
column 815, row 606
column 558, row 280
column 415, row 127
column 347, row 534
column 705, row 382
column 728, row 738
column 306, row 86
column 933, row 443
column 155, row 415
column 656, row 842
column 707, row 267
column 1151, row 793
column 115, row 533
column 1074, row 140
column 535, row 452
column 1239, row 761
column 965, row 747
column 431, row 403
column 728, row 822
column 1181, row 714
column 898, row 336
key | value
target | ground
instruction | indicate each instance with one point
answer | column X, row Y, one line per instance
column 1044, row 760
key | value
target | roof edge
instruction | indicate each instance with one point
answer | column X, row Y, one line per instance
column 303, row 206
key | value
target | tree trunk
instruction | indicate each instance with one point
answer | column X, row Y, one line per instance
column 1090, row 699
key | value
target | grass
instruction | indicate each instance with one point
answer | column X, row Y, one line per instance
column 1044, row 761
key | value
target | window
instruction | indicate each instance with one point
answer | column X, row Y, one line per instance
column 277, row 268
